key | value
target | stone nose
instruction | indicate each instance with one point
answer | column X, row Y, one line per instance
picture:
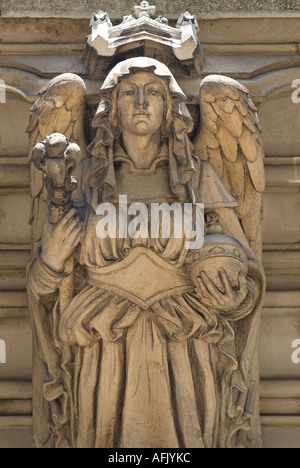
column 141, row 98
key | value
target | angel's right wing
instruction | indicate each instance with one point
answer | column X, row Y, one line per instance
column 229, row 136
column 60, row 108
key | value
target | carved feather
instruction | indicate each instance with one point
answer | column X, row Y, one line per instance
column 60, row 108
column 228, row 144
column 229, row 136
column 215, row 157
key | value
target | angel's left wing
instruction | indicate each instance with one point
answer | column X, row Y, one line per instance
column 229, row 137
column 60, row 108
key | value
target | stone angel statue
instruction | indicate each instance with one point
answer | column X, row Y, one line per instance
column 141, row 342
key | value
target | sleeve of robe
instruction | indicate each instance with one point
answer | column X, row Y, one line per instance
column 43, row 302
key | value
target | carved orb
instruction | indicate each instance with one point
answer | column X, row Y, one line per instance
column 218, row 253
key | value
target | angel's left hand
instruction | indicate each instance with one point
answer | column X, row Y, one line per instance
column 229, row 299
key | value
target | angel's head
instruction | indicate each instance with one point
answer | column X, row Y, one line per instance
column 140, row 104
column 141, row 97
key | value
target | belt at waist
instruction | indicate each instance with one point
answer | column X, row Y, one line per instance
column 142, row 277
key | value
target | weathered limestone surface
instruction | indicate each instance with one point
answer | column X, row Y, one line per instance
column 266, row 60
column 119, row 7
column 149, row 284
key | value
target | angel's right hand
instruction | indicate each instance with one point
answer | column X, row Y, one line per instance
column 60, row 240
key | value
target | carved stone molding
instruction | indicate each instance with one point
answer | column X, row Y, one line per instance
column 208, row 8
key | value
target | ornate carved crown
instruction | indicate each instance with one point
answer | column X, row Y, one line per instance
column 179, row 47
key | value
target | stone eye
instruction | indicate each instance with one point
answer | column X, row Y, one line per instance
column 154, row 92
column 129, row 92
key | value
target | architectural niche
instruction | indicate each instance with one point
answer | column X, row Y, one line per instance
column 145, row 337
column 40, row 44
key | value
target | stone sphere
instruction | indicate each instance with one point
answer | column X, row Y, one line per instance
column 218, row 253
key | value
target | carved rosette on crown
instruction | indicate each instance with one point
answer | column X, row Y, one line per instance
column 178, row 47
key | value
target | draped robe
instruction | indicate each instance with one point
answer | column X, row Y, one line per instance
column 114, row 374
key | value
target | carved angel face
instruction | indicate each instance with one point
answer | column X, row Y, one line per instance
column 141, row 101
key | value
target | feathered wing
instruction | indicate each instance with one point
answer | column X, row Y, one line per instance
column 229, row 137
column 60, row 108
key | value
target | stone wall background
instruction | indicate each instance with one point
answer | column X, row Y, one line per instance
column 257, row 43
column 166, row 7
